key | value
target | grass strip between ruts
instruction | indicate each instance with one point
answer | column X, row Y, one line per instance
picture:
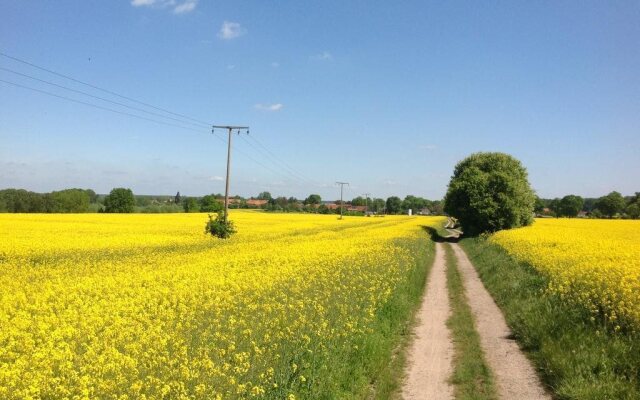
column 472, row 377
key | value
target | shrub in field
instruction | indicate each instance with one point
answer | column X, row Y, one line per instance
column 219, row 227
column 489, row 192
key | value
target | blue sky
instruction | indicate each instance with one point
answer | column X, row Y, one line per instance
column 386, row 97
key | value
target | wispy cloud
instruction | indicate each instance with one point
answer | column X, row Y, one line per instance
column 275, row 64
column 185, row 7
column 231, row 66
column 324, row 56
column 216, row 178
column 428, row 147
column 178, row 7
column 231, row 30
column 269, row 107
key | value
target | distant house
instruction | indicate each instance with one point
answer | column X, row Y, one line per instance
column 356, row 208
column 583, row 214
column 256, row 202
column 424, row 211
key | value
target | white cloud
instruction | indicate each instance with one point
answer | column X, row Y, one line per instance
column 177, row 7
column 216, row 178
column 187, row 6
column 275, row 64
column 231, row 66
column 269, row 107
column 230, row 30
column 428, row 147
column 324, row 56
column 138, row 3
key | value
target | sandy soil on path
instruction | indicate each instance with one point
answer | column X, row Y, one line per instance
column 515, row 376
column 431, row 352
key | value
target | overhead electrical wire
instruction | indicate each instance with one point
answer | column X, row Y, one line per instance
column 99, row 88
column 103, row 99
column 98, row 106
column 288, row 174
column 292, row 173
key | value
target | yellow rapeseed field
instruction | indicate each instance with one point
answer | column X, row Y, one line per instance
column 148, row 306
column 592, row 263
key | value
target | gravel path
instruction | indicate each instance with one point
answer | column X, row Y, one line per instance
column 431, row 353
column 514, row 374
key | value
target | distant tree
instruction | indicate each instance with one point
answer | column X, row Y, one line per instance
column 119, row 200
column 589, row 204
column 93, row 197
column 489, row 192
column 177, row 199
column 394, row 205
column 554, row 206
column 611, row 204
column 570, row 206
column 633, row 206
column 67, row 201
column 359, row 201
column 282, row 202
column 414, row 203
column 264, row 196
column 210, row 203
column 313, row 199
column 539, row 205
column 633, row 210
column 377, row 205
column 190, row 205
column 22, row 201
column 437, row 207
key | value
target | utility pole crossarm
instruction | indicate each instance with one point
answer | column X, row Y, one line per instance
column 230, row 129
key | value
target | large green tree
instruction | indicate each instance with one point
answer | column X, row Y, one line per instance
column 68, row 201
column 313, row 199
column 489, row 192
column 394, row 205
column 119, row 200
column 611, row 204
column 570, row 206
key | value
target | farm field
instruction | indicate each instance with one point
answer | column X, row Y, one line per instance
column 593, row 264
column 148, row 306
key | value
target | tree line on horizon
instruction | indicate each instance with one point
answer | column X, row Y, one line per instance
column 122, row 200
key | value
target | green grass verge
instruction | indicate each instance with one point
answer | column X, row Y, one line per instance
column 386, row 348
column 576, row 358
column 471, row 377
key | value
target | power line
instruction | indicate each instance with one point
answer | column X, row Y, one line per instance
column 101, row 89
column 103, row 99
column 270, row 153
column 97, row 106
column 253, row 159
column 279, row 163
column 142, row 118
column 293, row 174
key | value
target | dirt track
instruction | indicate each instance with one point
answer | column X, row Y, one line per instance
column 431, row 353
column 513, row 372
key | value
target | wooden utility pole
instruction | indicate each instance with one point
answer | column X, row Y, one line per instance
column 230, row 129
column 341, row 189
